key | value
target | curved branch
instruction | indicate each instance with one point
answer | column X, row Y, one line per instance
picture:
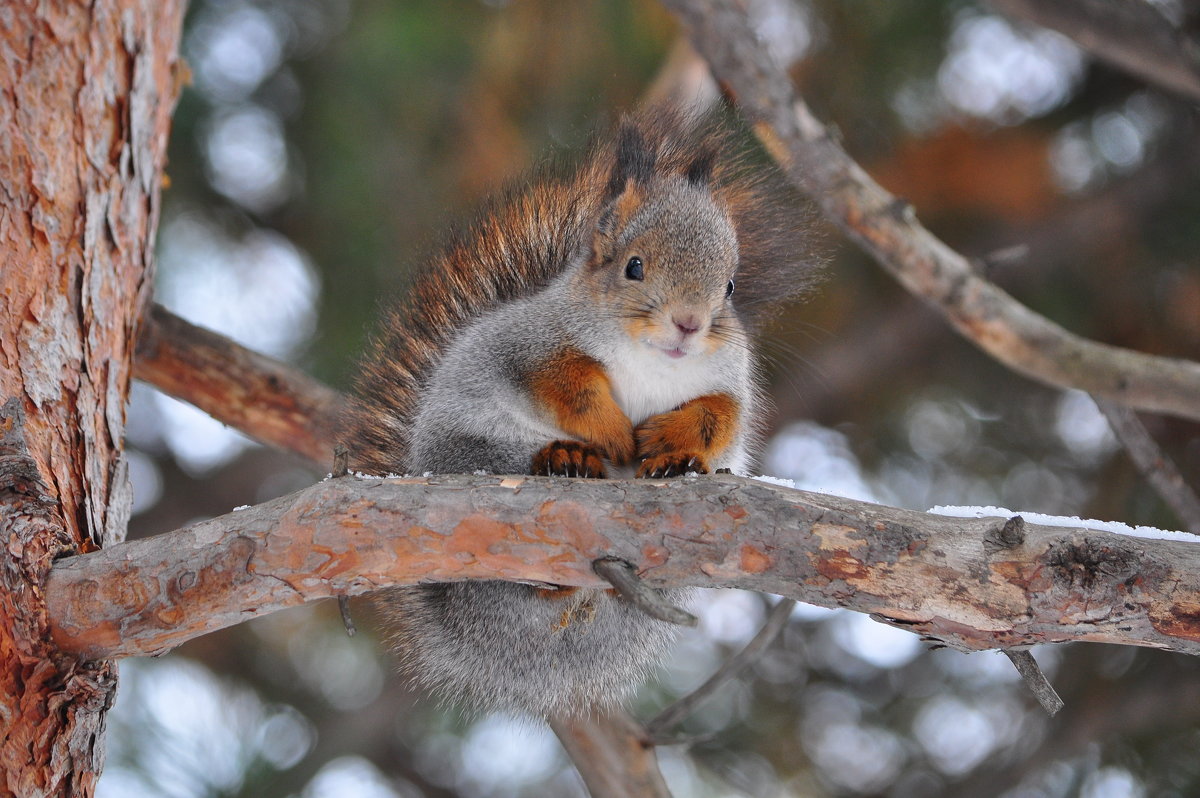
column 777, row 619
column 886, row 227
column 353, row 535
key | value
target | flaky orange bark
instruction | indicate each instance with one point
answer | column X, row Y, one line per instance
column 84, row 115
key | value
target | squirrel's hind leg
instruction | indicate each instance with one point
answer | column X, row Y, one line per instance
column 464, row 454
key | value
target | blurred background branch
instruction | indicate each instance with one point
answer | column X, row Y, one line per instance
column 1136, row 37
column 618, row 760
column 263, row 397
column 1158, row 469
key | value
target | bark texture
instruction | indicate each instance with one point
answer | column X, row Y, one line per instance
column 84, row 116
column 969, row 583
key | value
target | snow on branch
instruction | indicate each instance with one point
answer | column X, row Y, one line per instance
column 887, row 228
column 959, row 582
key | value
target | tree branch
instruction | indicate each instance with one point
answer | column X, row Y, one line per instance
column 1157, row 469
column 1135, row 37
column 777, row 619
column 886, row 227
column 623, row 577
column 1035, row 680
column 353, row 535
column 620, row 762
column 268, row 400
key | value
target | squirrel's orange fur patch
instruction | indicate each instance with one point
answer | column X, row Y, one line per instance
column 576, row 390
column 701, row 428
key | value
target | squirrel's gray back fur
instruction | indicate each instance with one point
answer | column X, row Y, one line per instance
column 441, row 392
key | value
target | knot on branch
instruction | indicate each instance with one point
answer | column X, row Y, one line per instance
column 1083, row 564
column 1008, row 535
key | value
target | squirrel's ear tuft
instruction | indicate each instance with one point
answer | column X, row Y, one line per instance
column 635, row 161
column 607, row 223
column 699, row 171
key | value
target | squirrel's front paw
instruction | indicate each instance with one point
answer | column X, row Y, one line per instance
column 675, row 464
column 568, row 459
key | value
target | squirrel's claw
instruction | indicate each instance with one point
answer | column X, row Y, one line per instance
column 568, row 459
column 673, row 464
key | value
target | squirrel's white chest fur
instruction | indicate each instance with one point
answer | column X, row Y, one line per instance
column 645, row 382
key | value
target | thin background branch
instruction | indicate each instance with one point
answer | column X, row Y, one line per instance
column 1133, row 36
column 268, row 400
column 777, row 619
column 1158, row 469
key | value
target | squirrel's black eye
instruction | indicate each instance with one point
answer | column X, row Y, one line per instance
column 633, row 269
column 729, row 290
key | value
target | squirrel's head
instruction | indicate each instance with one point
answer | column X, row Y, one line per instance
column 664, row 252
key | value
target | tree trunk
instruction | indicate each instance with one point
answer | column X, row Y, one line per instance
column 88, row 89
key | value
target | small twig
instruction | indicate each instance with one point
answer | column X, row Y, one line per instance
column 686, row 740
column 776, row 621
column 1000, row 258
column 1035, row 680
column 347, row 621
column 1158, row 469
column 341, row 461
column 622, row 576
column 1008, row 535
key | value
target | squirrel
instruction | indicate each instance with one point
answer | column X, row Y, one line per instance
column 592, row 325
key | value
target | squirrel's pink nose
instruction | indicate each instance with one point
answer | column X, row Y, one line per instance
column 687, row 323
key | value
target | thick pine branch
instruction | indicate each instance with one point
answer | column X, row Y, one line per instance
column 886, row 227
column 959, row 581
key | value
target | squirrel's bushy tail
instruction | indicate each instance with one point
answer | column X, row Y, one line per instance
column 525, row 237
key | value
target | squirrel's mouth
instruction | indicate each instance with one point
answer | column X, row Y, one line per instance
column 672, row 350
